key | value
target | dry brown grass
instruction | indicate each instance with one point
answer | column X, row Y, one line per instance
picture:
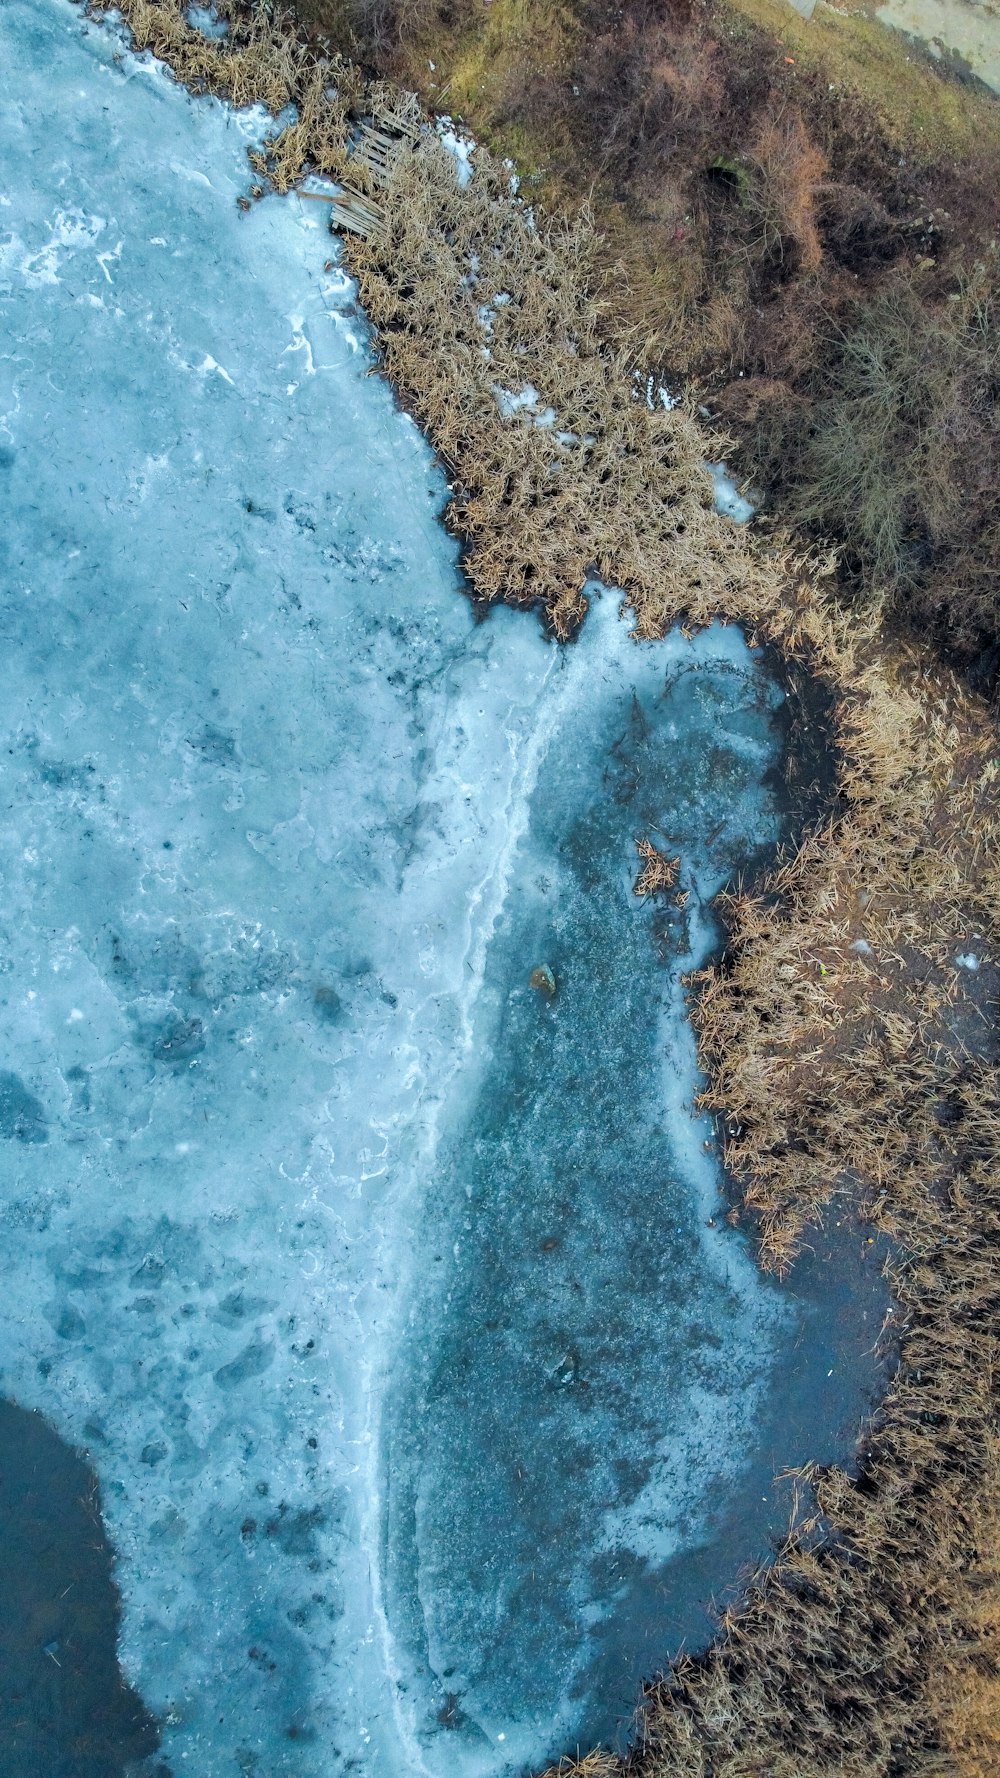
column 967, row 1690
column 799, row 205
column 658, row 873
column 870, row 1647
column 593, row 1765
column 791, row 169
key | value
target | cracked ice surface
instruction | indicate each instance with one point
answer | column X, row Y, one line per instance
column 322, row 1231
column 581, row 1354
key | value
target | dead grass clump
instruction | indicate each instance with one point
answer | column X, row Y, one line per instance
column 849, row 1006
column 593, row 1765
column 846, row 1046
column 607, row 482
column 658, row 872
column 967, row 1685
column 790, row 169
column 253, row 65
column 760, row 180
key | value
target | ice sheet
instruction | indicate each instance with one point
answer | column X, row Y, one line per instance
column 282, row 833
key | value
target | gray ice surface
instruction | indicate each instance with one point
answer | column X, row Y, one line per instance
column 378, row 1286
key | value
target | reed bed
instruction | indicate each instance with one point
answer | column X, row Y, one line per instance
column 847, row 1050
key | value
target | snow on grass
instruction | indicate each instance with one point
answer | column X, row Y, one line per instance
column 206, row 20
column 728, row 499
column 525, row 400
column 459, row 146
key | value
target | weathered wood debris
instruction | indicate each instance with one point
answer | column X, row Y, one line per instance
column 376, row 148
column 351, row 209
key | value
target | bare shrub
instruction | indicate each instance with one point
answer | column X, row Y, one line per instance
column 790, row 169
column 894, row 449
column 856, row 227
column 646, row 86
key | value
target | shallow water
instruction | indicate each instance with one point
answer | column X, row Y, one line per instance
column 361, row 1270
column 64, row 1710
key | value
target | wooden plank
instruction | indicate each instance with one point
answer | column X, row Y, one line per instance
column 352, row 210
column 397, row 126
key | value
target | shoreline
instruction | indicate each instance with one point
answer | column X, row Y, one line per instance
column 916, row 781
column 779, row 203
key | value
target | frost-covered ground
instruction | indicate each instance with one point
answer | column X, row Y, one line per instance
column 428, row 1408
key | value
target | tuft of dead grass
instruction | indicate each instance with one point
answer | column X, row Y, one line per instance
column 657, row 873
column 843, row 1045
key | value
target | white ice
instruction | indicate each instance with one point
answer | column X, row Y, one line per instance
column 272, row 808
column 206, row 20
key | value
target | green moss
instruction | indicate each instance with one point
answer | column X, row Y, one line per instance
column 734, row 172
column 504, row 71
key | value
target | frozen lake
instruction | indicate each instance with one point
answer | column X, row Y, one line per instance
column 383, row 1290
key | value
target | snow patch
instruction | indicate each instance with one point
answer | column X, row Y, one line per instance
column 728, row 499
column 654, row 394
column 206, row 20
column 459, row 146
column 525, row 401
column 210, row 366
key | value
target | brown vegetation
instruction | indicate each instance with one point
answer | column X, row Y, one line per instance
column 890, row 442
column 801, row 214
column 658, row 872
column 966, row 1692
column 846, row 1046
